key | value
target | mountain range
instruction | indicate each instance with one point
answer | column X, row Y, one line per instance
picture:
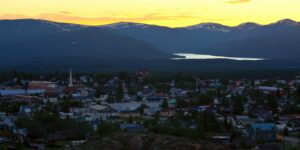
column 29, row 42
column 278, row 40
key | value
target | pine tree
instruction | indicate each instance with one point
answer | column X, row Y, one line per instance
column 119, row 92
column 272, row 102
column 165, row 104
column 238, row 105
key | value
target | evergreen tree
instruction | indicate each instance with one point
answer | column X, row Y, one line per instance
column 139, row 98
column 106, row 128
column 298, row 92
column 181, row 104
column 272, row 102
column 119, row 92
column 165, row 104
column 286, row 131
column 238, row 106
column 98, row 91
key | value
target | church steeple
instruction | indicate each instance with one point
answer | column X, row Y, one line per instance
column 70, row 79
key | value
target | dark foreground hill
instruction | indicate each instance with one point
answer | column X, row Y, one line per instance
column 122, row 141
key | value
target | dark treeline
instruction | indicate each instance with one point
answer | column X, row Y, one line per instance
column 155, row 75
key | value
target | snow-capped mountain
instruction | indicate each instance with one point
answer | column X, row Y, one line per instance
column 213, row 27
column 247, row 26
column 210, row 27
column 276, row 40
column 124, row 25
column 63, row 26
column 247, row 39
column 38, row 42
column 287, row 22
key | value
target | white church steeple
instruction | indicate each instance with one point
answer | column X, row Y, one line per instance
column 70, row 79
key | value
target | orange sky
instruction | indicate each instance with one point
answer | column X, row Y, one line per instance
column 173, row 13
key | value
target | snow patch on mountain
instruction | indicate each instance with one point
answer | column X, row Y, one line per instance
column 63, row 26
column 124, row 25
column 210, row 27
column 247, row 26
column 287, row 22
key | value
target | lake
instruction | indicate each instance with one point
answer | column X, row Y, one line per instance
column 188, row 56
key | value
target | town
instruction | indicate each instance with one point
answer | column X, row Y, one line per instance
column 82, row 111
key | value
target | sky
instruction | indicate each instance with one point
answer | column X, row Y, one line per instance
column 172, row 13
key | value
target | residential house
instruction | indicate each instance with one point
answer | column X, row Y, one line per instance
column 21, row 91
column 152, row 108
column 269, row 89
column 26, row 110
column 132, row 127
column 262, row 132
column 172, row 103
column 103, row 111
column 126, row 108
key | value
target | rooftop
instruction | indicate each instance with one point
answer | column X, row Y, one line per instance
column 263, row 126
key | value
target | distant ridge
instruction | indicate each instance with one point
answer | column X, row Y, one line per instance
column 128, row 24
column 278, row 40
column 31, row 42
column 211, row 27
column 286, row 21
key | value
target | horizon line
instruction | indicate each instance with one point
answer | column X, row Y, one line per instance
column 91, row 25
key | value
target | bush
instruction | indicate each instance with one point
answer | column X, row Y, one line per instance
column 41, row 125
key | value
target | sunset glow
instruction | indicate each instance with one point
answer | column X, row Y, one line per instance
column 173, row 13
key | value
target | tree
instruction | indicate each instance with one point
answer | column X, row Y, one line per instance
column 165, row 105
column 19, row 82
column 98, row 91
column 66, row 104
column 238, row 106
column 11, row 107
column 49, row 107
column 298, row 92
column 119, row 92
column 110, row 99
column 41, row 125
column 278, row 92
column 123, row 76
column 272, row 102
column 165, row 88
column 205, row 99
column 130, row 119
column 181, row 104
column 139, row 98
column 286, row 131
column 141, row 109
column 132, row 90
column 287, row 90
column 252, row 83
column 106, row 128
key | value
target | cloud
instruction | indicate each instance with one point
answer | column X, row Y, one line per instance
column 65, row 12
column 238, row 1
column 68, row 17
column 100, row 20
column 13, row 16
